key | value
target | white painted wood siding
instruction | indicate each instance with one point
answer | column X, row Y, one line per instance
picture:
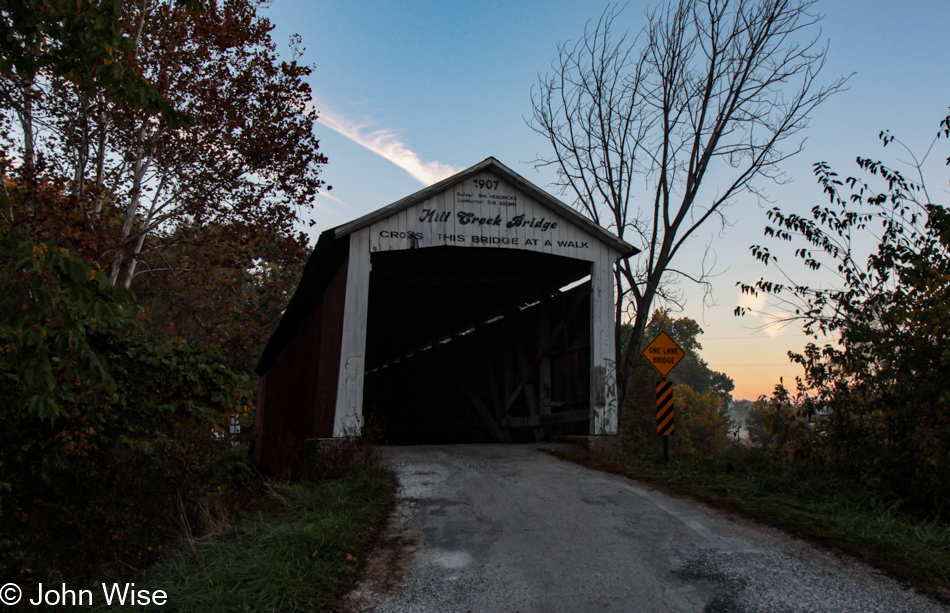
column 482, row 211
column 349, row 398
column 603, row 376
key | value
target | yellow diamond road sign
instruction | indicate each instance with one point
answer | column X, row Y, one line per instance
column 663, row 353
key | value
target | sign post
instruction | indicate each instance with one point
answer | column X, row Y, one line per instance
column 664, row 354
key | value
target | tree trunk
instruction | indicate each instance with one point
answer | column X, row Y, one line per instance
column 26, row 124
column 135, row 196
column 29, row 154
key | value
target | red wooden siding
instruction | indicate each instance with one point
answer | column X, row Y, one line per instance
column 296, row 397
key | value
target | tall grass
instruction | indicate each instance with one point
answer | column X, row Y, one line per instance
column 297, row 556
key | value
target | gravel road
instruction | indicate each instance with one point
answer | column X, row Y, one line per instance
column 499, row 528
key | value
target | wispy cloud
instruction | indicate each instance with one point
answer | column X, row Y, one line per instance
column 329, row 196
column 324, row 202
column 386, row 143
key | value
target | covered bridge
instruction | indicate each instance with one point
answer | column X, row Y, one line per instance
column 478, row 309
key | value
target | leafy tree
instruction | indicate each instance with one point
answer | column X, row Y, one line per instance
column 692, row 370
column 701, row 395
column 53, row 309
column 81, row 41
column 249, row 159
column 702, row 422
column 192, row 218
column 877, row 397
column 778, row 430
column 108, row 419
column 696, row 108
column 252, row 284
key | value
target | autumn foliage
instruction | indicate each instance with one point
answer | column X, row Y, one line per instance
column 151, row 199
column 107, row 423
column 701, row 398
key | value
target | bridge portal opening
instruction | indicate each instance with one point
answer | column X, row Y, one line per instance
column 477, row 345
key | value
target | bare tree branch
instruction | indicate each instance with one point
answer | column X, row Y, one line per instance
column 699, row 107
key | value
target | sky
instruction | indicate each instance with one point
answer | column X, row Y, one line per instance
column 411, row 92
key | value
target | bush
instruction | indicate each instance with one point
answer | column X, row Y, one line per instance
column 112, row 436
column 702, row 424
column 780, row 431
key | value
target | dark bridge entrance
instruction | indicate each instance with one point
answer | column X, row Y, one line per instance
column 474, row 345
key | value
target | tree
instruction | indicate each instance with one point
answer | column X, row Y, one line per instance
column 80, row 41
column 877, row 396
column 106, row 423
column 184, row 216
column 107, row 440
column 252, row 283
column 249, row 159
column 696, row 109
column 701, row 395
column 692, row 369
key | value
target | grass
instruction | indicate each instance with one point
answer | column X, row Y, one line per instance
column 298, row 556
column 829, row 511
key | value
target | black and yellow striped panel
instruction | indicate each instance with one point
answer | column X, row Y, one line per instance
column 664, row 408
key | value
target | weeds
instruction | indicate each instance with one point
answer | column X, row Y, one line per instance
column 286, row 558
